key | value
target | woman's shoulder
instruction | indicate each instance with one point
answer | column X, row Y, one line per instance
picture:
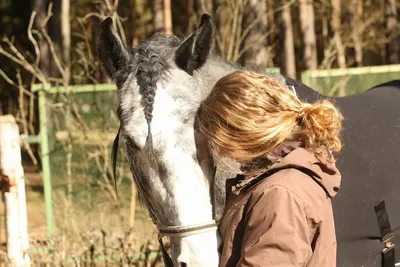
column 292, row 181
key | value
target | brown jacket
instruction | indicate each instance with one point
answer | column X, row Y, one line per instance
column 285, row 219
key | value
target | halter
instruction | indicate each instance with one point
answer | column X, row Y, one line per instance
column 176, row 230
column 182, row 231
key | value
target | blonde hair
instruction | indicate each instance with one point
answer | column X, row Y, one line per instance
column 248, row 114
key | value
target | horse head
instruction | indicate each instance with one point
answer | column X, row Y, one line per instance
column 161, row 84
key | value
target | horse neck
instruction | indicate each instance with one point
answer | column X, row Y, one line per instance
column 215, row 69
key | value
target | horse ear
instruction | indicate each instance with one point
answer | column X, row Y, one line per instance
column 194, row 51
column 112, row 53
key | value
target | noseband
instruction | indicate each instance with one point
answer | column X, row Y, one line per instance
column 179, row 231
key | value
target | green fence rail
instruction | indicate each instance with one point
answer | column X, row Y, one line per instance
column 350, row 80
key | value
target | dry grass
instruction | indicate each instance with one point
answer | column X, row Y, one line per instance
column 96, row 236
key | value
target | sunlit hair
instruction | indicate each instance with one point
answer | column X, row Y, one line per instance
column 248, row 114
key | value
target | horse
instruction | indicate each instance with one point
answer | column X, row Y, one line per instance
column 161, row 84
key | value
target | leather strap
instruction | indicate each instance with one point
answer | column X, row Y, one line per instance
column 187, row 230
column 167, row 259
column 388, row 252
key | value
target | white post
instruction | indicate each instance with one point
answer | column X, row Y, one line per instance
column 12, row 227
column 23, row 221
column 16, row 218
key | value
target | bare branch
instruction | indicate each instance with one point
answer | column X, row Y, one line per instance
column 33, row 41
column 11, row 82
column 284, row 6
column 5, row 77
column 59, row 65
column 234, row 28
column 23, row 117
column 244, row 49
column 21, row 60
column 92, row 14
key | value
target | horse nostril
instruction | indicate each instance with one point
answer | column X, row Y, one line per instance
column 183, row 264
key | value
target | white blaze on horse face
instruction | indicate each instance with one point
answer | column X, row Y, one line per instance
column 190, row 190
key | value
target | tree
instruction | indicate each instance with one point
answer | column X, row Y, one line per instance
column 336, row 26
column 306, row 10
column 158, row 15
column 40, row 7
column 167, row 17
column 190, row 16
column 206, row 7
column 223, row 21
column 255, row 42
column 336, row 22
column 357, row 10
column 288, row 42
column 133, row 17
column 271, row 21
column 393, row 47
column 66, row 32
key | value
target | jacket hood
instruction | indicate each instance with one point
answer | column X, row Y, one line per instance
column 323, row 172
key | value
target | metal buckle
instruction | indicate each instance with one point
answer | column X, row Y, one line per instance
column 388, row 252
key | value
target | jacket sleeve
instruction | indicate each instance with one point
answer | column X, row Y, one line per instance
column 276, row 230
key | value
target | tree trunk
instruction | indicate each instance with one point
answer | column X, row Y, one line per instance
column 336, row 21
column 382, row 5
column 104, row 78
column 133, row 22
column 393, row 47
column 206, row 7
column 158, row 16
column 189, row 16
column 66, row 36
column 40, row 6
column 308, row 32
column 288, row 42
column 223, row 20
column 271, row 21
column 336, row 26
column 167, row 17
column 357, row 11
column 55, row 33
column 255, row 43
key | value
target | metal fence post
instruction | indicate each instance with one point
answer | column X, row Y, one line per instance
column 44, row 144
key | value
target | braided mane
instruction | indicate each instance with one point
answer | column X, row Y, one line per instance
column 148, row 72
column 151, row 64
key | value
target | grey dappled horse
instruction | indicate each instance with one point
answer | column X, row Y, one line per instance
column 161, row 84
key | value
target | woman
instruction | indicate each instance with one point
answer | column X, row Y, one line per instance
column 279, row 212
